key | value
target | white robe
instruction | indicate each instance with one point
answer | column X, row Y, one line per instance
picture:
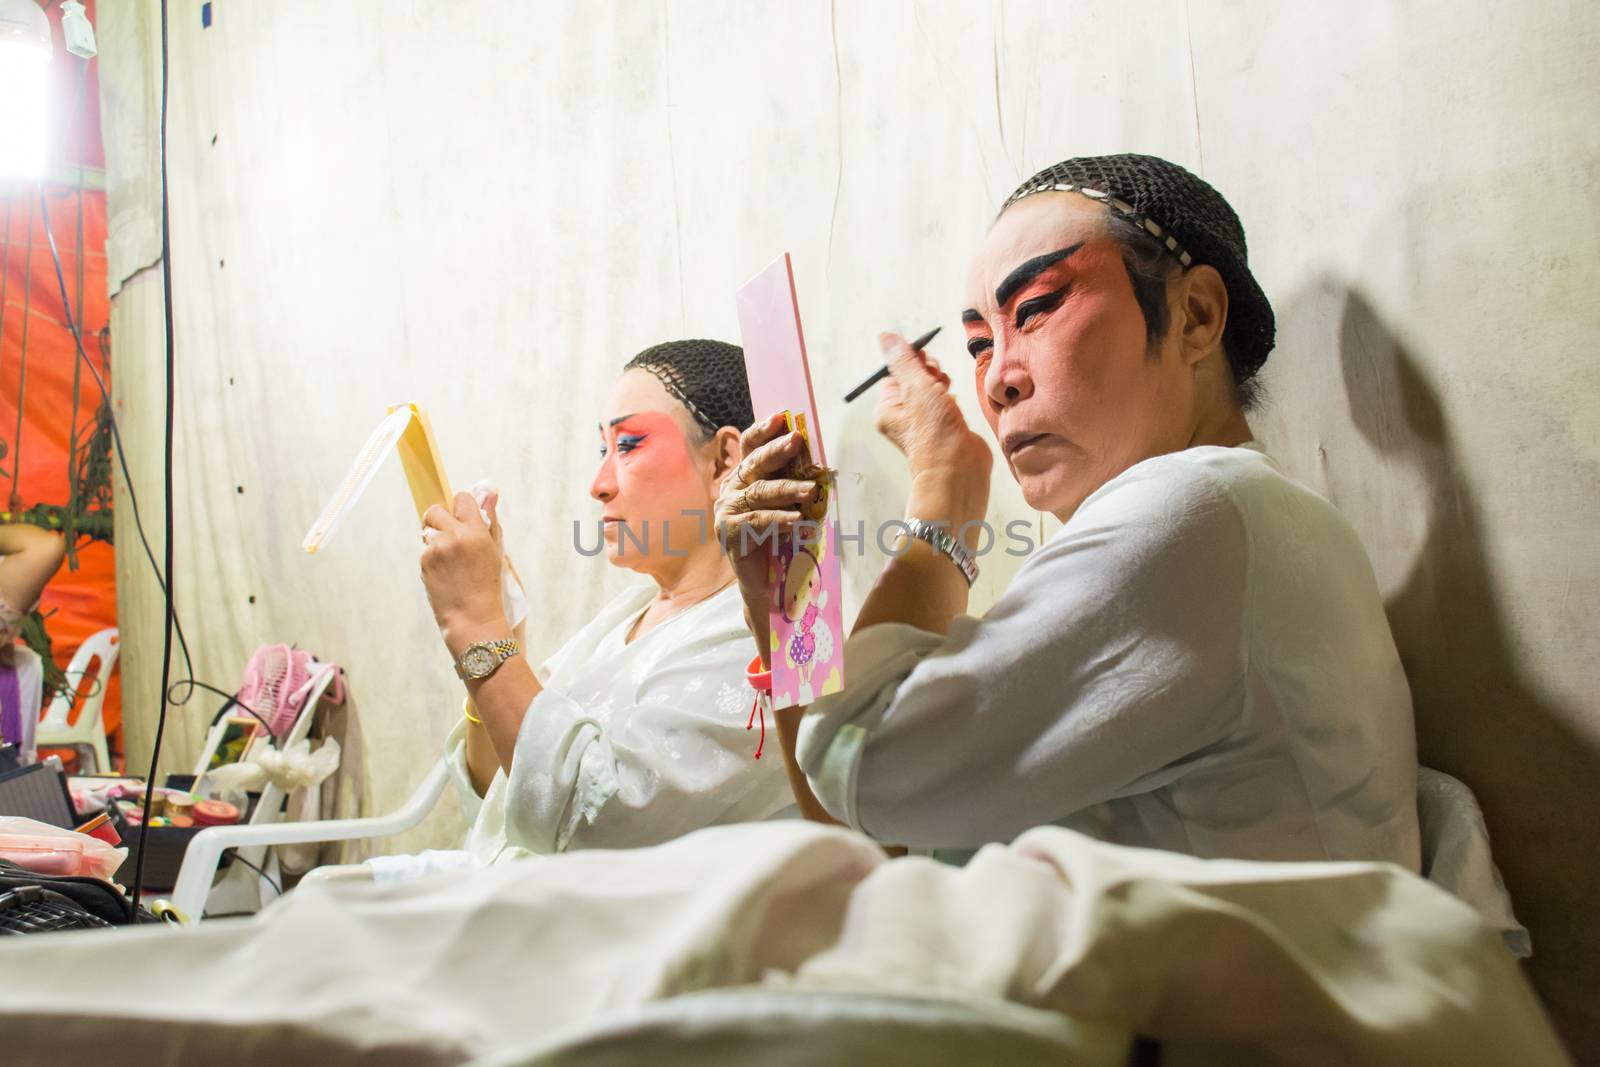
column 631, row 743
column 1197, row 661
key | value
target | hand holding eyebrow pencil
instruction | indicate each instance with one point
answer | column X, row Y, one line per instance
column 883, row 372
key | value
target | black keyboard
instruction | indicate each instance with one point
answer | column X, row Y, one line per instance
column 33, row 909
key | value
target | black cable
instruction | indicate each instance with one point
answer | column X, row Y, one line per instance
column 75, row 328
column 122, row 462
column 166, row 295
column 116, row 439
column 273, row 882
column 233, row 701
column 190, row 680
column 173, row 623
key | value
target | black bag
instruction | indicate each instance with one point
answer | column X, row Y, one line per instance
column 34, row 903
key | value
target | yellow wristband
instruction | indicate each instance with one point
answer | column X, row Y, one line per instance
column 466, row 709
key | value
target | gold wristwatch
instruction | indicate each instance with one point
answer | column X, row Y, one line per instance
column 483, row 658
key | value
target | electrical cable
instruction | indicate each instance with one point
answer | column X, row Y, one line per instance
column 127, row 479
column 233, row 701
column 273, row 882
column 174, row 626
column 166, row 295
column 116, row 438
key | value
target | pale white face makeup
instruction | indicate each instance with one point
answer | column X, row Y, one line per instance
column 1061, row 361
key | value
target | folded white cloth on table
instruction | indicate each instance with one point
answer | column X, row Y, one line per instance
column 1224, row 961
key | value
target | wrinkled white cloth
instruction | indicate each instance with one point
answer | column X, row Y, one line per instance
column 630, row 743
column 1198, row 660
column 798, row 1027
column 410, row 865
column 1456, row 854
column 1225, row 962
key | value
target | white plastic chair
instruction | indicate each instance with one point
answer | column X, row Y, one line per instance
column 205, row 850
column 243, row 888
column 55, row 730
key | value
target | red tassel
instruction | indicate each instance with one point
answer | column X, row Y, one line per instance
column 752, row 721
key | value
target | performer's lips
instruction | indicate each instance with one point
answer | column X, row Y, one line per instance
column 1019, row 440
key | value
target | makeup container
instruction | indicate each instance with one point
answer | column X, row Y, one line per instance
column 214, row 813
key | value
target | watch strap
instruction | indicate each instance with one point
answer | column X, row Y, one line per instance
column 502, row 650
column 942, row 542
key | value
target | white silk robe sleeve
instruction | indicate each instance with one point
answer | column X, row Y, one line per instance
column 1116, row 653
column 486, row 840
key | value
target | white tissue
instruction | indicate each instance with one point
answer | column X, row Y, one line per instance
column 296, row 767
column 512, row 596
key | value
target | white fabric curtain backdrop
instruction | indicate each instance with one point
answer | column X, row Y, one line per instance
column 488, row 207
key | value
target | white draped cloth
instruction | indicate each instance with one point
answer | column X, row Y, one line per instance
column 629, row 743
column 790, row 942
column 1197, row 661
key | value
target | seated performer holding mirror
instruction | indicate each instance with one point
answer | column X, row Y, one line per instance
column 634, row 731
column 1198, row 660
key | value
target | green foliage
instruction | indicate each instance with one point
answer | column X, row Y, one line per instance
column 36, row 637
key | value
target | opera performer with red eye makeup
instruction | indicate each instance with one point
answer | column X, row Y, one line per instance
column 1198, row 660
column 634, row 732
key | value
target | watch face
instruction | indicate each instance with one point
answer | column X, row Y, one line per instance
column 478, row 662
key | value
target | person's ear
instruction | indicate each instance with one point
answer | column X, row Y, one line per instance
column 726, row 452
column 1201, row 314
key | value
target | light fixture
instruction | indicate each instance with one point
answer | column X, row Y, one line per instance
column 76, row 31
column 24, row 88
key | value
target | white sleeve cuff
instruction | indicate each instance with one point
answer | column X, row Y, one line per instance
column 836, row 729
column 455, row 756
column 552, row 785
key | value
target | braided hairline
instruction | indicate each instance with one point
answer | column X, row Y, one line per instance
column 663, row 375
column 1117, row 204
column 1246, row 386
column 707, row 377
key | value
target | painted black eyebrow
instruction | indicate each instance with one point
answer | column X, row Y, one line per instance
column 1027, row 272
column 971, row 315
column 621, row 418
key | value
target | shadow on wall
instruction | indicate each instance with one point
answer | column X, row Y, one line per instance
column 1479, row 716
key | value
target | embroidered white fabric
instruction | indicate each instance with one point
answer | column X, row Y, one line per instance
column 630, row 743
